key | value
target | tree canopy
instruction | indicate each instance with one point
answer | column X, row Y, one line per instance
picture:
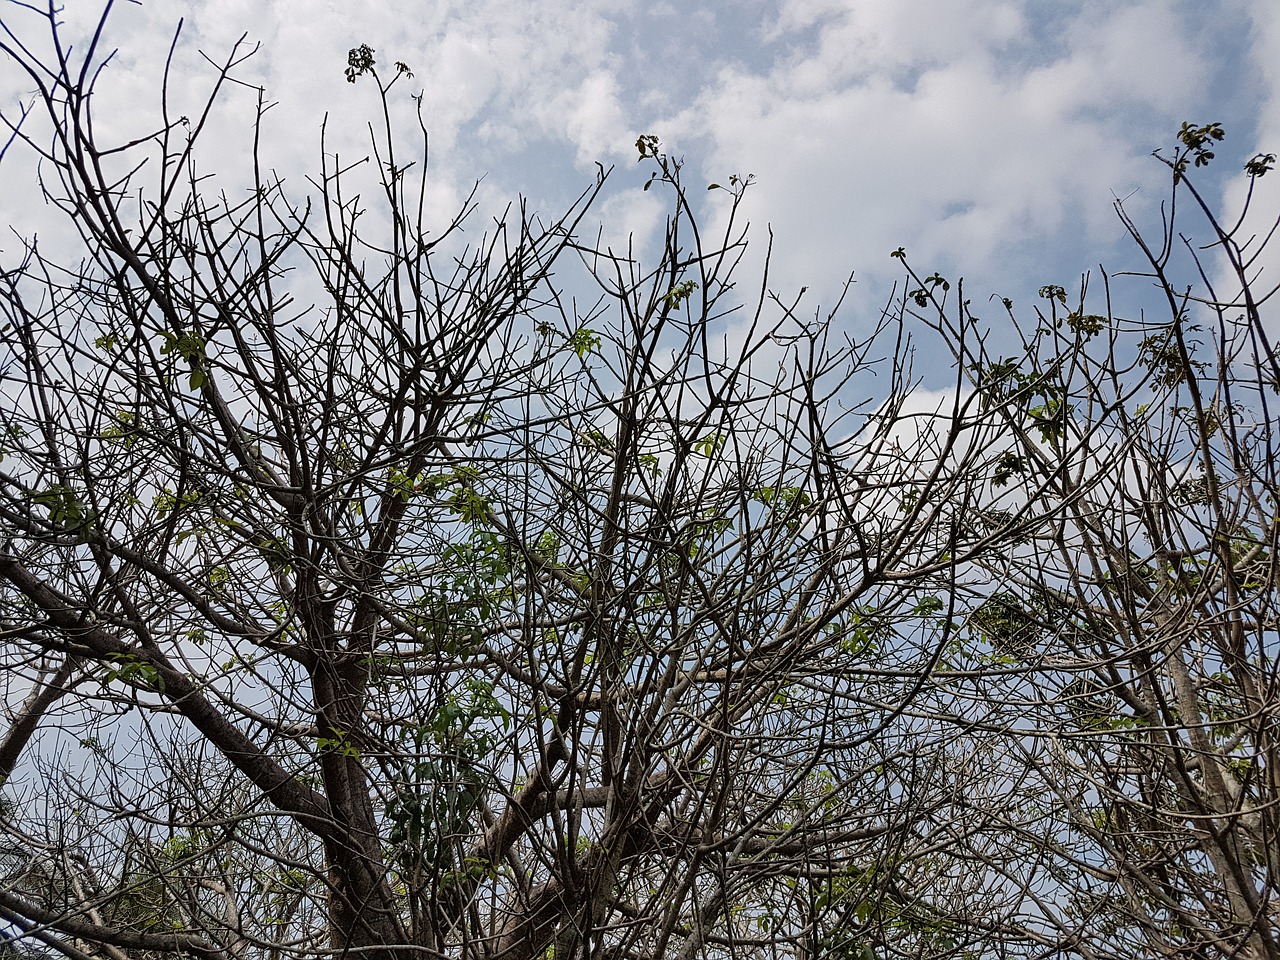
column 371, row 587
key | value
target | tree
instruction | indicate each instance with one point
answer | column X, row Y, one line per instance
column 373, row 589
column 397, row 593
column 1136, row 624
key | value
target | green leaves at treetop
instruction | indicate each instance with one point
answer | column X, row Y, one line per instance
column 359, row 61
column 1052, row 291
column 1085, row 324
column 1260, row 164
column 931, row 285
column 1196, row 140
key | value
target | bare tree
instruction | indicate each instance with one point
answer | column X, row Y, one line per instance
column 1127, row 652
column 369, row 587
column 385, row 592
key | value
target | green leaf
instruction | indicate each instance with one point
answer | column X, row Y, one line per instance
column 583, row 341
column 1260, row 164
column 680, row 292
column 1052, row 291
column 131, row 670
column 927, row 606
column 710, row 446
column 186, row 345
column 469, row 506
column 1008, row 465
column 66, row 510
column 1086, row 324
column 359, row 61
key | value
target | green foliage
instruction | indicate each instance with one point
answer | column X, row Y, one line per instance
column 146, row 899
column 1087, row 324
column 1260, row 164
column 697, row 535
column 436, row 798
column 1054, row 292
column 1008, row 466
column 469, row 505
column 190, row 348
column 11, row 433
column 595, row 440
column 187, row 346
column 337, row 742
column 865, row 633
column 123, row 430
column 275, row 551
column 1090, row 704
column 360, row 61
column 402, row 485
column 1010, row 624
column 736, row 186
column 788, row 502
column 679, row 293
column 1194, row 491
column 1041, row 398
column 133, row 671
column 67, row 512
column 583, row 341
column 457, row 489
column 844, row 945
column 1196, row 141
column 1049, row 419
column 931, row 285
column 473, row 578
column 182, row 846
column 1159, row 353
column 648, row 145
column 710, row 445
column 928, row 606
column 166, row 501
column 547, row 547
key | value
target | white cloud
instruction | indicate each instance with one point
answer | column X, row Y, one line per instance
column 1264, row 210
column 949, row 127
column 987, row 136
column 591, row 117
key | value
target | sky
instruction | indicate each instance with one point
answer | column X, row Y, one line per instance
column 989, row 138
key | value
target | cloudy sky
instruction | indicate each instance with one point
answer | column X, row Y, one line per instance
column 988, row 137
